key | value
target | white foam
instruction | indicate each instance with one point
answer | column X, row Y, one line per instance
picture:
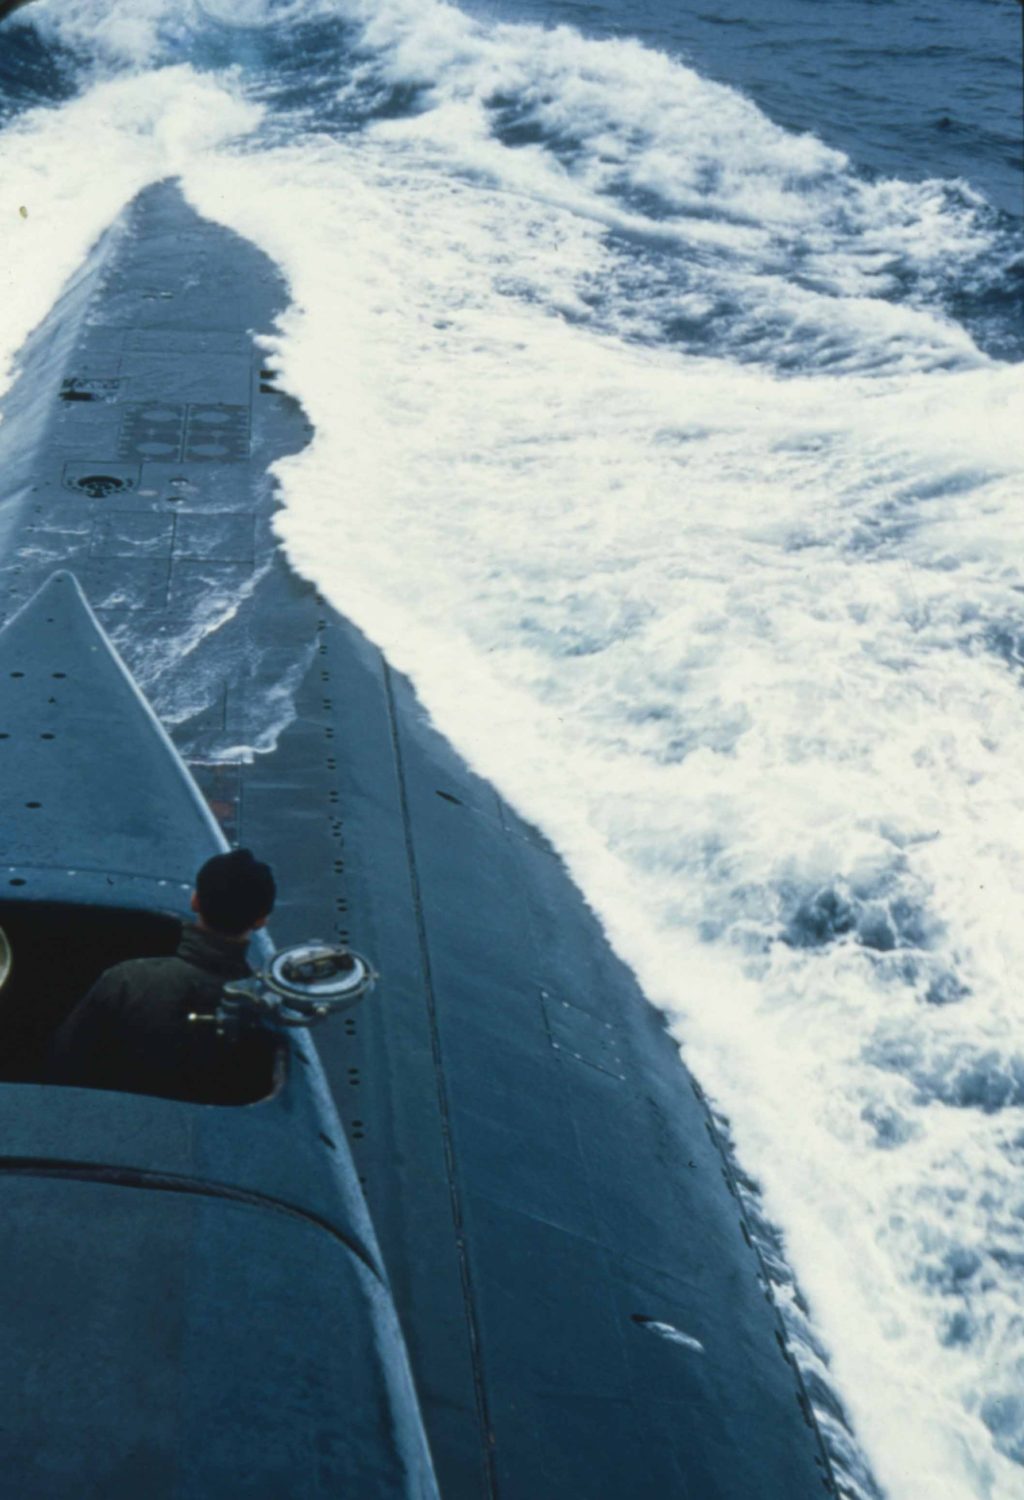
column 150, row 32
column 126, row 34
column 67, row 173
column 675, row 1336
column 620, row 124
column 786, row 239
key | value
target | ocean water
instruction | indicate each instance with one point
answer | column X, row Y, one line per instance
column 664, row 364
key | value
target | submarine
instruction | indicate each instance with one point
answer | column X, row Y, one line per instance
column 483, row 1237
column 193, row 1294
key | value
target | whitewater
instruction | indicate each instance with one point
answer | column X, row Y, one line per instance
column 650, row 441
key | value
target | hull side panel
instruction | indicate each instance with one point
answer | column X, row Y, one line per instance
column 206, row 1348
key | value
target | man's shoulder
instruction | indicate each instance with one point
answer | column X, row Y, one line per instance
column 130, row 969
column 133, row 975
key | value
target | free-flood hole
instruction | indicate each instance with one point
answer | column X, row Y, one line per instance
column 99, row 486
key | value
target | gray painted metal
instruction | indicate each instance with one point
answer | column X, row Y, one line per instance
column 546, row 1185
column 194, row 1300
column 98, row 806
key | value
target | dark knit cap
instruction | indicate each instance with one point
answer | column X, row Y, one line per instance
column 235, row 891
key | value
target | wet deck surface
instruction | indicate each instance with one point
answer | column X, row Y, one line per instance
column 540, row 1171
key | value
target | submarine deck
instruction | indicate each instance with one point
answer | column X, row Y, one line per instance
column 584, row 1311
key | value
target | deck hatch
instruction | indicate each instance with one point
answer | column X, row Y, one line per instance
column 217, row 434
column 169, row 432
column 577, row 1034
column 152, row 430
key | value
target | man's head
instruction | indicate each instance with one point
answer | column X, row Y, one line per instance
column 234, row 893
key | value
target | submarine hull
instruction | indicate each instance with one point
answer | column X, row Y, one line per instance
column 585, row 1311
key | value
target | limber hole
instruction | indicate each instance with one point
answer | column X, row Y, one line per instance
column 99, row 486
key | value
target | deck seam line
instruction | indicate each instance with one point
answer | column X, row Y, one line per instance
column 169, row 1182
column 483, row 1415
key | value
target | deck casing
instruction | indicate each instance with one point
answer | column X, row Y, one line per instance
column 544, row 1182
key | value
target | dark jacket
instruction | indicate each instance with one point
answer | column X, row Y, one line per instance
column 131, row 1032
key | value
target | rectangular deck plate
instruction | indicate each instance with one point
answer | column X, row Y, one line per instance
column 579, row 1035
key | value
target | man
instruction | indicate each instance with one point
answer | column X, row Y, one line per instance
column 131, row 1032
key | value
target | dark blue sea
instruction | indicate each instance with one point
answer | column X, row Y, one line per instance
column 664, row 367
column 912, row 88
